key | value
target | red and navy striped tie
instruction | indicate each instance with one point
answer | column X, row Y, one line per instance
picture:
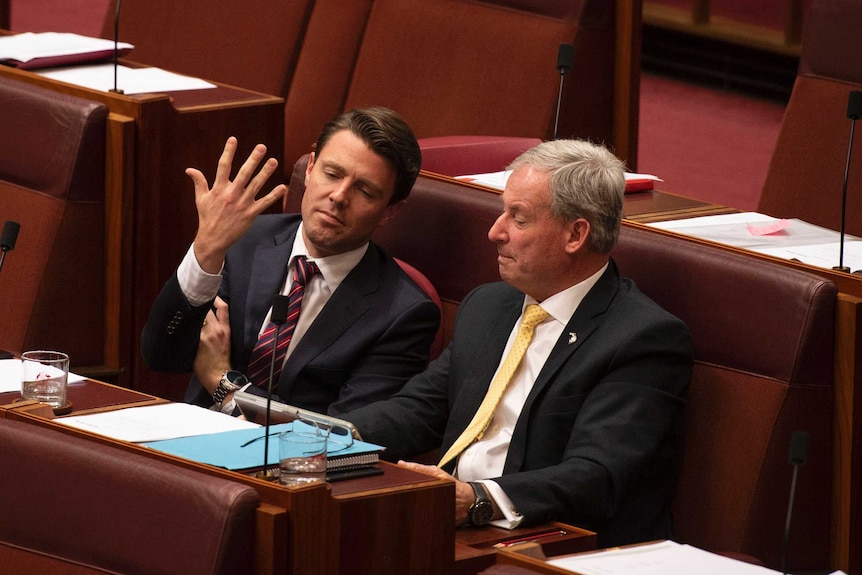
column 261, row 355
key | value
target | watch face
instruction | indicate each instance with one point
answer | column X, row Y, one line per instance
column 236, row 378
column 481, row 513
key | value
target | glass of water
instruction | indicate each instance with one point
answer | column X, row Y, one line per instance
column 302, row 454
column 44, row 376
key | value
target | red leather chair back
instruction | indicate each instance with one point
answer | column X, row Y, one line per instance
column 252, row 44
column 806, row 174
column 52, row 182
column 74, row 506
column 763, row 339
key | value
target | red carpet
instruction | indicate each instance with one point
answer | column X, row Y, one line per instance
column 705, row 144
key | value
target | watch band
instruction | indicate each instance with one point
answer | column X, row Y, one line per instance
column 231, row 380
column 482, row 510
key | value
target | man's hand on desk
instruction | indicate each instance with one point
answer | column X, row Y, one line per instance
column 464, row 494
column 213, row 357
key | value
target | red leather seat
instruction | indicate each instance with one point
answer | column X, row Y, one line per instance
column 52, row 182
column 75, row 506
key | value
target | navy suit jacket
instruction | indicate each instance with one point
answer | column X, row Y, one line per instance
column 372, row 335
column 595, row 442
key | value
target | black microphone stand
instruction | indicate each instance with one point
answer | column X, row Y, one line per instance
column 565, row 60
column 798, row 456
column 278, row 316
column 115, row 90
column 854, row 112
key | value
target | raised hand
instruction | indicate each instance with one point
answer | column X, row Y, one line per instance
column 227, row 210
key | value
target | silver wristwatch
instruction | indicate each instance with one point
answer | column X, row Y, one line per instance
column 230, row 381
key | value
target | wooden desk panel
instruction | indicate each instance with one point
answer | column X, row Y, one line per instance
column 475, row 551
column 90, row 396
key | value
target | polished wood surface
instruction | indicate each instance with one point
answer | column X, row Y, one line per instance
column 150, row 211
column 627, row 74
column 88, row 396
column 476, row 549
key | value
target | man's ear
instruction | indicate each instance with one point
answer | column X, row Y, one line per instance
column 577, row 235
column 390, row 212
column 309, row 167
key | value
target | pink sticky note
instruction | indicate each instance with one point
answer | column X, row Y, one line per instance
column 770, row 228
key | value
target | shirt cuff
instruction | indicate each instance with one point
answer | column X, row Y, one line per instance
column 198, row 286
column 511, row 517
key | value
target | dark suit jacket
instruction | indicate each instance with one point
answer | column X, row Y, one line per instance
column 371, row 336
column 594, row 444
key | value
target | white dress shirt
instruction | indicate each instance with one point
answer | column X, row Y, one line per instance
column 487, row 456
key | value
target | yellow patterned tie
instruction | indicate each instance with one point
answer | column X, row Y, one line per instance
column 533, row 316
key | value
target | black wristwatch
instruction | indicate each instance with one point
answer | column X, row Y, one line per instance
column 230, row 381
column 482, row 510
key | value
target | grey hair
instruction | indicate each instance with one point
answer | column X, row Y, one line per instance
column 587, row 181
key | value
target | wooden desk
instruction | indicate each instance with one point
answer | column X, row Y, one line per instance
column 149, row 201
column 398, row 522
column 88, row 396
column 475, row 548
column 658, row 206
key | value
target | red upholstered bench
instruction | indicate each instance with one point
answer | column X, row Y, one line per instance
column 79, row 507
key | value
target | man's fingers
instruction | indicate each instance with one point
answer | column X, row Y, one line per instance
column 246, row 171
column 198, row 179
column 225, row 162
column 221, row 310
column 276, row 194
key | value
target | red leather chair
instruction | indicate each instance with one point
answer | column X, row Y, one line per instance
column 459, row 67
column 200, row 38
column 806, row 173
column 78, row 507
column 52, row 182
column 464, row 155
column 763, row 340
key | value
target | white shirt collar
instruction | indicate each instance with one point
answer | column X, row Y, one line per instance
column 562, row 305
column 333, row 268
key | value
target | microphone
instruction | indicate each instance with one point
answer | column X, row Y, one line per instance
column 278, row 317
column 854, row 112
column 798, row 456
column 8, row 238
column 565, row 60
column 116, row 47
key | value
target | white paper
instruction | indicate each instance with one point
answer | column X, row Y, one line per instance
column 10, row 375
column 497, row 180
column 29, row 45
column 799, row 240
column 156, row 422
column 664, row 558
column 129, row 80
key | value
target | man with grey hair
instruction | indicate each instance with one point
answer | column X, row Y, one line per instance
column 559, row 395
